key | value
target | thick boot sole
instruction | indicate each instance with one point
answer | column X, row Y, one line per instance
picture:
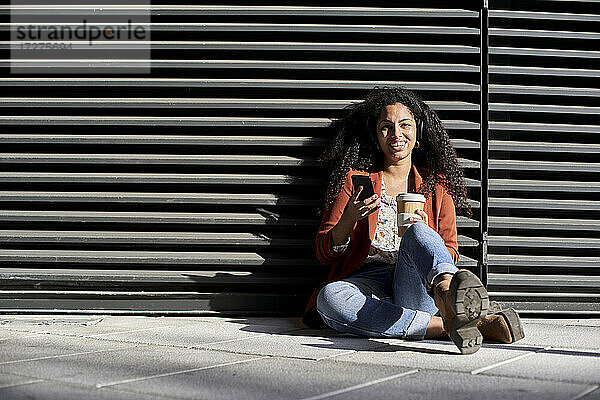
column 470, row 303
column 514, row 324
column 467, row 337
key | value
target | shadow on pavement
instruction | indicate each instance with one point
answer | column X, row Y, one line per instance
column 336, row 340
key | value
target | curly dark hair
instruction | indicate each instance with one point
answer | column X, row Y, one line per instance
column 354, row 145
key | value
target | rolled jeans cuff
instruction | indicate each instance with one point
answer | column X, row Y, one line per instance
column 418, row 326
column 441, row 268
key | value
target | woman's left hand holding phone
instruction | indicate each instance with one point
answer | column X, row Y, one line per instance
column 355, row 211
column 358, row 209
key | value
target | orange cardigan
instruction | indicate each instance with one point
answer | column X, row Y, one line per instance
column 439, row 206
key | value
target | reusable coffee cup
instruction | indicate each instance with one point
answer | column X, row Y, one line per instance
column 408, row 204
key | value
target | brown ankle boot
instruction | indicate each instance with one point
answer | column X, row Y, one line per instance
column 463, row 302
column 504, row 327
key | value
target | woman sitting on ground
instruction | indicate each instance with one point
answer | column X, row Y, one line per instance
column 380, row 283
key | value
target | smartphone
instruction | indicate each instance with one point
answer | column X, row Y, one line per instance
column 366, row 183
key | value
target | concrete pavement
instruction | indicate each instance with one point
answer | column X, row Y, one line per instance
column 132, row 357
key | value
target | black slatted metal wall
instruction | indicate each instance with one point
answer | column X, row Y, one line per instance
column 195, row 189
column 544, row 243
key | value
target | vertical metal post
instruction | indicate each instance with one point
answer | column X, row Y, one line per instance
column 484, row 142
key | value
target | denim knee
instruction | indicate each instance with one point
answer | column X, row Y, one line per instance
column 331, row 300
column 424, row 248
column 421, row 233
column 420, row 230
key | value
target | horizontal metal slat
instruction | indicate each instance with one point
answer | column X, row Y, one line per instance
column 544, row 108
column 156, row 9
column 553, row 242
column 155, row 257
column 466, row 163
column 136, row 277
column 553, row 296
column 231, row 239
column 474, row 203
column 515, row 51
column 464, row 222
column 132, row 217
column 555, row 147
column 466, row 262
column 543, row 204
column 514, row 70
column 541, row 281
column 465, row 241
column 544, row 15
column 261, row 219
column 537, row 33
column 157, row 159
column 164, row 198
column 171, row 159
column 521, row 165
column 238, row 64
column 544, row 186
column 204, row 140
column 543, row 261
column 267, row 27
column 151, row 303
column 146, row 257
column 557, row 307
column 544, row 223
column 190, row 121
column 164, row 178
column 544, row 90
column 236, row 83
column 457, row 143
column 166, row 121
column 159, row 198
column 543, row 127
column 250, row 46
column 167, row 102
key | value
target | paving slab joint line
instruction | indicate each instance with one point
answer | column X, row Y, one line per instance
column 592, row 352
column 337, row 355
column 20, row 337
column 21, row 383
column 102, row 385
column 40, row 333
column 203, row 346
column 107, row 339
column 61, row 355
column 100, row 339
column 510, row 360
column 11, row 329
column 128, row 393
column 585, row 392
column 103, row 337
column 290, row 331
column 361, row 386
column 248, row 353
column 233, row 340
column 571, row 325
column 129, row 331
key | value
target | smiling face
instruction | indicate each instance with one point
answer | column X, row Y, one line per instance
column 396, row 132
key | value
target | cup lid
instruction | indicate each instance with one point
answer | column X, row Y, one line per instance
column 413, row 197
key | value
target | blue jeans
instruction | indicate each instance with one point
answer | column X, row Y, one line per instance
column 385, row 300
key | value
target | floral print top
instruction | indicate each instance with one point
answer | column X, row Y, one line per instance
column 386, row 242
